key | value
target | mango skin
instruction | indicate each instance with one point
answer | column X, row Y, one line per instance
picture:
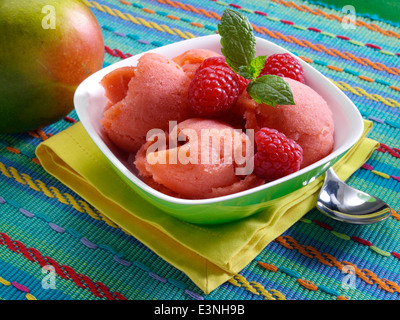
column 40, row 67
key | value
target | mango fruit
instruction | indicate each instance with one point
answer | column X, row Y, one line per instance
column 47, row 48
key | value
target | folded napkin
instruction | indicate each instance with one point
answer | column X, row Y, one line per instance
column 208, row 255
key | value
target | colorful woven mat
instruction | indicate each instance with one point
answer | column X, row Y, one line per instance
column 44, row 223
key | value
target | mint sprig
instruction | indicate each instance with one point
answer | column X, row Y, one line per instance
column 271, row 90
column 252, row 70
column 239, row 49
column 237, row 39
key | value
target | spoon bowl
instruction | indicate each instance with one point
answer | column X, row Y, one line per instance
column 344, row 203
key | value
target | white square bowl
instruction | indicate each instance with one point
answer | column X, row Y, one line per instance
column 90, row 101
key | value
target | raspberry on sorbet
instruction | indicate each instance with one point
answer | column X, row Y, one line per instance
column 276, row 155
column 213, row 90
column 220, row 61
column 283, row 65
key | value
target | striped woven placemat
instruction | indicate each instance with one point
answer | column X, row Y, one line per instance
column 43, row 222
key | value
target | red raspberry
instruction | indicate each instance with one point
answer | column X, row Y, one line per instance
column 283, row 65
column 220, row 61
column 213, row 61
column 276, row 156
column 214, row 89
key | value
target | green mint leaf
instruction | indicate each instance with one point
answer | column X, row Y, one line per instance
column 271, row 90
column 253, row 70
column 245, row 72
column 237, row 39
column 256, row 65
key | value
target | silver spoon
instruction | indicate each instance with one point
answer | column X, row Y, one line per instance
column 344, row 203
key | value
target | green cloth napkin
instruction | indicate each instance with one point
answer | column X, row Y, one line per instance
column 208, row 255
